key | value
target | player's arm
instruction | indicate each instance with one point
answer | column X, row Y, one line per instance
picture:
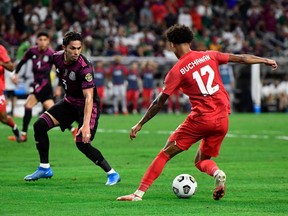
column 10, row 66
column 252, row 59
column 85, row 128
column 153, row 109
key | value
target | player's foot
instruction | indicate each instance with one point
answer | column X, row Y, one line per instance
column 220, row 180
column 18, row 138
column 130, row 197
column 74, row 132
column 39, row 173
column 113, row 179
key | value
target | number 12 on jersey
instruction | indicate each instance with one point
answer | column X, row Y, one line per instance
column 207, row 89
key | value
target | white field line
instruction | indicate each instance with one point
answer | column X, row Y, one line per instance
column 237, row 134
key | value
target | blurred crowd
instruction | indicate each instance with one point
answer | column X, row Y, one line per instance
column 136, row 27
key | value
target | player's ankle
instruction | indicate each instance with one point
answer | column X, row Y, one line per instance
column 139, row 193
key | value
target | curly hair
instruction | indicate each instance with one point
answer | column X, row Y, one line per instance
column 71, row 36
column 179, row 34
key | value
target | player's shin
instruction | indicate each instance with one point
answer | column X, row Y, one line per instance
column 41, row 127
column 153, row 171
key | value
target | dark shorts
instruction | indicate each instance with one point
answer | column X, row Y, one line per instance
column 42, row 91
column 66, row 113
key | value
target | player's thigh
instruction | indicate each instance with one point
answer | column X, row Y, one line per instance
column 64, row 113
column 48, row 104
column 44, row 93
column 31, row 101
column 186, row 134
column 211, row 144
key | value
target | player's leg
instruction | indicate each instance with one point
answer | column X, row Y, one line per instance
column 93, row 153
column 210, row 147
column 123, row 99
column 45, row 122
column 115, row 99
column 8, row 120
column 153, row 171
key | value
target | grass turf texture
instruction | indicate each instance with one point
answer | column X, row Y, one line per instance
column 253, row 155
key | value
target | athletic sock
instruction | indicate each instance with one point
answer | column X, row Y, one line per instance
column 11, row 122
column 27, row 119
column 153, row 171
column 111, row 171
column 207, row 166
column 45, row 165
column 139, row 193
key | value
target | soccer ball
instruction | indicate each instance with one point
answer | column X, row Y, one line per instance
column 184, row 186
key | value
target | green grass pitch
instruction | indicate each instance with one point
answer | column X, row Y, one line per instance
column 253, row 155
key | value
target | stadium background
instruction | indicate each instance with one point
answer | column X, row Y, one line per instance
column 134, row 29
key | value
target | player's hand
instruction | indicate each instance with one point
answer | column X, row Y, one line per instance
column 134, row 130
column 14, row 79
column 272, row 63
column 85, row 130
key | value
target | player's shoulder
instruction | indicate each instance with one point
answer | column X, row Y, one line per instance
column 50, row 50
column 83, row 61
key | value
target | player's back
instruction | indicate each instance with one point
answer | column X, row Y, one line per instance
column 196, row 74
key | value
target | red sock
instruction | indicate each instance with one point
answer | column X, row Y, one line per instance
column 154, row 170
column 11, row 123
column 207, row 166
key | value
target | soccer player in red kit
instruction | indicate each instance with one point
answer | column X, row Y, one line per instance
column 5, row 62
column 196, row 75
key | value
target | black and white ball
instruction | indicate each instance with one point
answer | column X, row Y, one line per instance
column 184, row 186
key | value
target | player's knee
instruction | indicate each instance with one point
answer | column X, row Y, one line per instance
column 40, row 126
column 82, row 146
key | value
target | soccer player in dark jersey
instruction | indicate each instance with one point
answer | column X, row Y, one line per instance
column 80, row 104
column 41, row 89
column 196, row 74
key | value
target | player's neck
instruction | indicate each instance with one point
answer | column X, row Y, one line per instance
column 181, row 50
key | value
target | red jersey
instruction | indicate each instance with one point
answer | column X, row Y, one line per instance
column 196, row 74
column 4, row 57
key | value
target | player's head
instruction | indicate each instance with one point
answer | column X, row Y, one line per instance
column 179, row 36
column 72, row 46
column 43, row 40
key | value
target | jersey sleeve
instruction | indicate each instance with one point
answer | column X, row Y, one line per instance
column 222, row 58
column 87, row 77
column 25, row 58
column 171, row 82
column 4, row 57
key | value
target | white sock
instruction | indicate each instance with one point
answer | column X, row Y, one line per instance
column 111, row 171
column 216, row 173
column 139, row 193
column 45, row 165
column 15, row 127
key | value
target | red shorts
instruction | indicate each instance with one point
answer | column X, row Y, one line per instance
column 100, row 91
column 211, row 132
column 132, row 95
column 2, row 103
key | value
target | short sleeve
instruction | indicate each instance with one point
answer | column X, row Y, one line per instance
column 171, row 82
column 4, row 57
column 87, row 77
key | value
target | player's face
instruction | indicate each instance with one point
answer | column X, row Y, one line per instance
column 43, row 42
column 72, row 51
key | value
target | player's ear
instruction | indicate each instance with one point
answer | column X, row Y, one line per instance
column 63, row 47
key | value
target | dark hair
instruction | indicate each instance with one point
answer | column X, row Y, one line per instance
column 42, row 33
column 179, row 34
column 71, row 36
